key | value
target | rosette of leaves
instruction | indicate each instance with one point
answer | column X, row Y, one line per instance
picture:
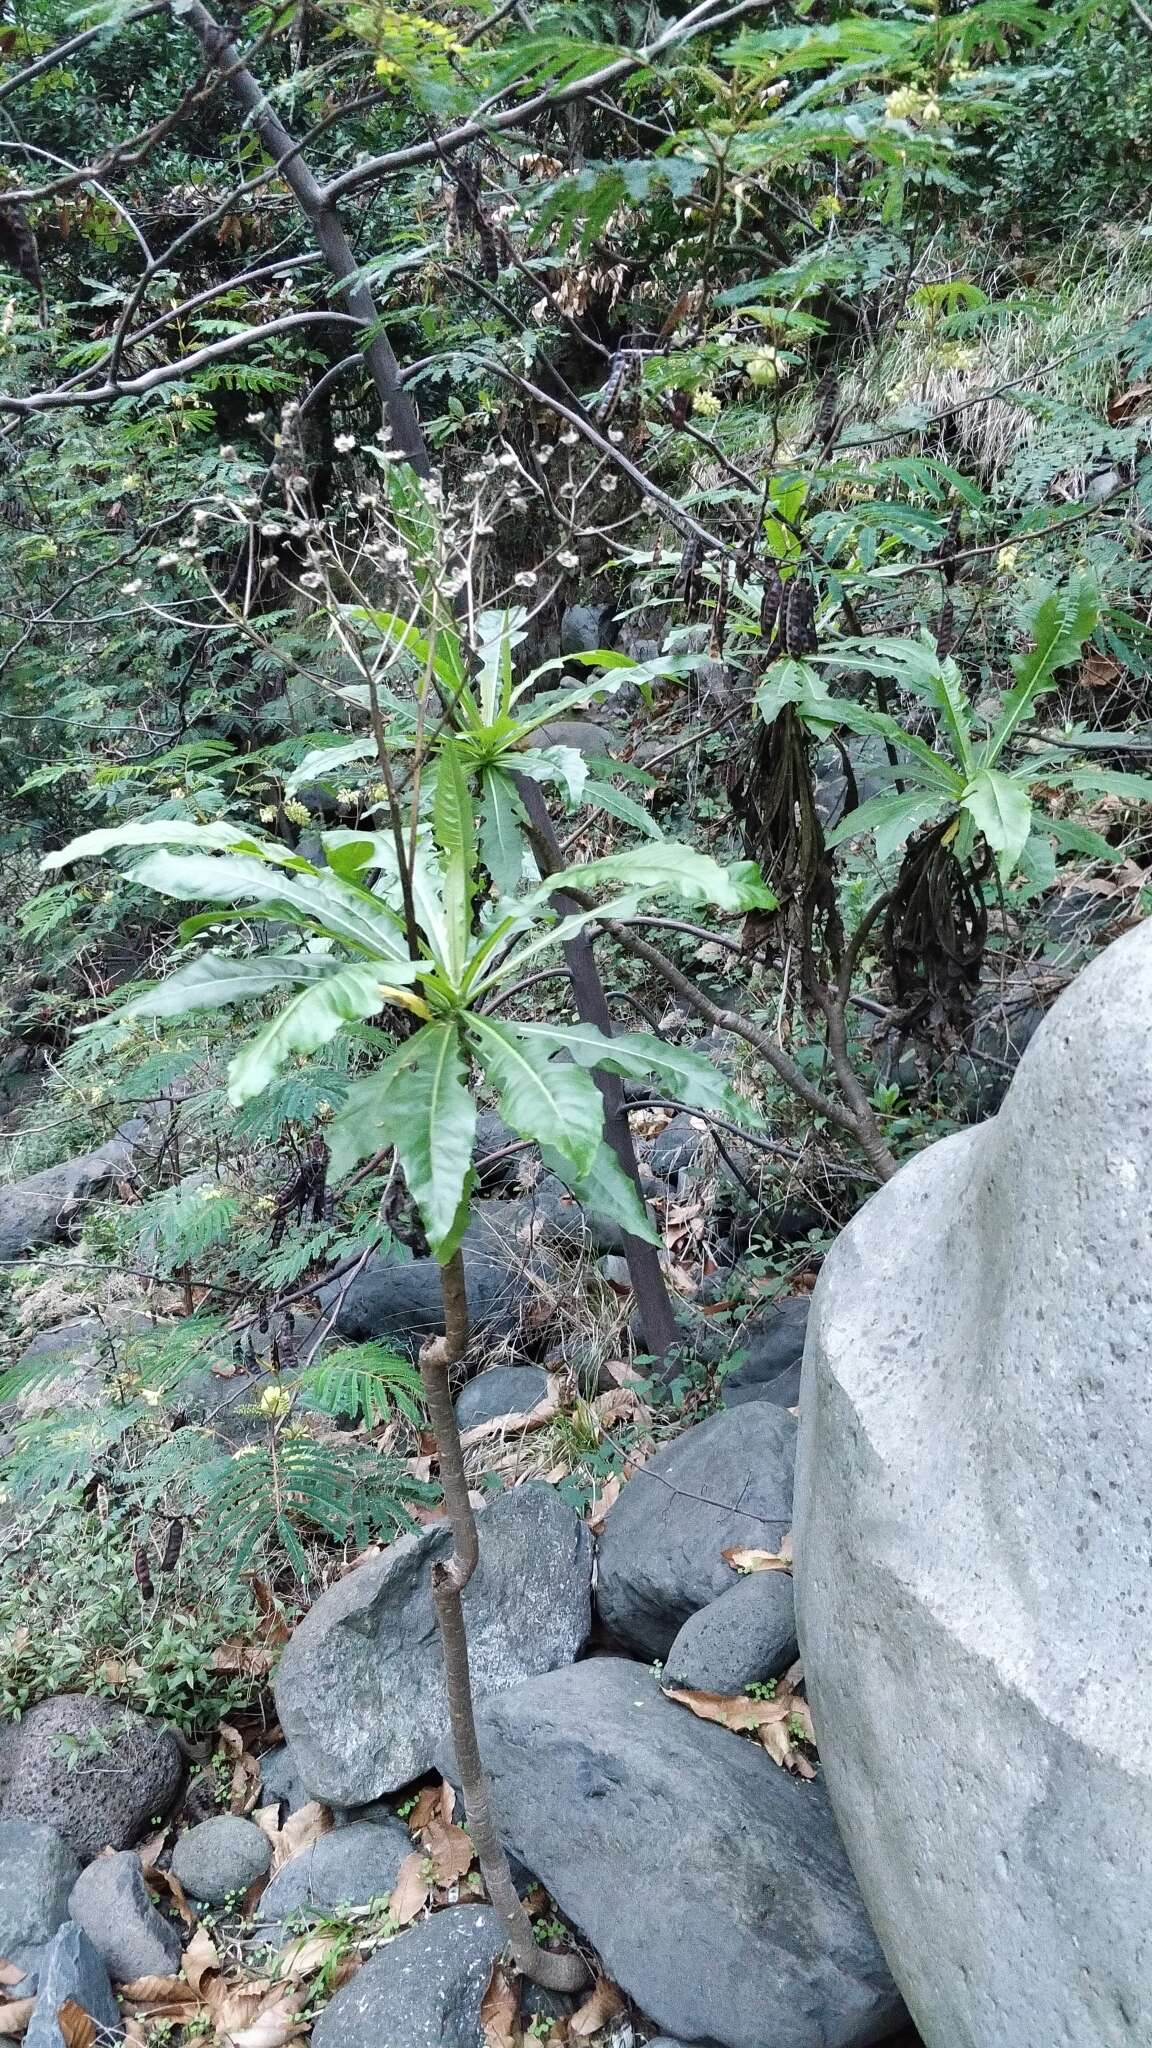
column 964, row 808
column 350, row 958
column 493, row 722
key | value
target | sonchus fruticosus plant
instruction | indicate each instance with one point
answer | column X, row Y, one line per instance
column 415, row 927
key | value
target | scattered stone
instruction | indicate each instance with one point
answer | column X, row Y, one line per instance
column 37, row 1872
column 502, row 1390
column 616, row 1271
column 712, row 1883
column 748, row 1634
column 360, row 1689
column 773, row 1348
column 584, row 628
column 280, row 1780
column 727, row 1482
column 220, row 1858
column 42, row 1209
column 349, row 1867
column 595, row 742
column 110, row 1902
column 972, row 1539
column 678, row 1147
column 422, row 1991
column 494, row 1135
column 92, row 1769
column 73, row 1971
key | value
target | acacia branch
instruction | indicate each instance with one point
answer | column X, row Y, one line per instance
column 318, row 207
column 700, row 20
column 168, row 373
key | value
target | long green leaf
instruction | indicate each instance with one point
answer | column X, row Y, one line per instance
column 891, row 818
column 637, row 1055
column 1060, row 624
column 604, row 1190
column 221, row 837
column 502, row 825
column 604, row 796
column 454, row 826
column 324, row 761
column 672, row 869
column 311, row 1019
column 431, row 1120
column 550, row 1101
column 1002, row 809
column 321, row 900
column 214, row 979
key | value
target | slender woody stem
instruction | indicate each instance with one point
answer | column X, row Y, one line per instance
column 449, row 1578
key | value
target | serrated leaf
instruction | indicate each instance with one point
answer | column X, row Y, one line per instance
column 502, row 825
column 669, row 868
column 550, row 1101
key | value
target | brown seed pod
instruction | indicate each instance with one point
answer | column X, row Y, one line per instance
column 143, row 1570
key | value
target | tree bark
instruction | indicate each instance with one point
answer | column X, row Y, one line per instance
column 661, row 1331
column 437, row 1356
column 324, row 221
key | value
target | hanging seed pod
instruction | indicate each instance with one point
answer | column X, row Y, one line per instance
column 946, row 628
column 688, row 574
column 173, row 1544
column 798, row 628
column 949, row 548
column 828, row 412
column 771, row 601
column 143, row 1570
column 719, row 616
column 609, row 397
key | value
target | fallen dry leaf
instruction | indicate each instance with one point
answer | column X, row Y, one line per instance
column 165, row 1881
column 270, row 2020
column 602, row 2005
column 742, row 1560
column 770, row 1721
column 159, row 1991
column 450, row 1851
column 201, row 1961
column 546, row 1410
column 410, row 1891
column 11, row 1973
column 245, row 1770
column 500, row 2011
column 303, row 1957
column 77, row 2028
column 300, row 1830
column 607, row 1497
column 247, row 1660
column 15, row 2014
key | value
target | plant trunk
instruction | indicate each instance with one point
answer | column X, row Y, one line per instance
column 658, row 1318
column 437, row 1356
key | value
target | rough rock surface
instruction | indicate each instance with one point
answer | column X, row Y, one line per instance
column 773, row 1347
column 422, row 1991
column 349, row 1867
column 360, row 1689
column 400, row 1299
column 110, row 1902
column 41, row 1209
column 220, row 1858
column 93, row 1770
column 280, row 1780
column 502, row 1390
column 727, row 1481
column 37, row 1872
column 713, row 1884
column 749, row 1633
column 973, row 1543
column 72, row 1971
column 678, row 1146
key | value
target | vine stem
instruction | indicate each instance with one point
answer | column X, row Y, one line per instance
column 449, row 1578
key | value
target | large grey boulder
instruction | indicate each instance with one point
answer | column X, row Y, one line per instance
column 502, row 1390
column 748, row 1634
column 422, row 1991
column 74, row 1974
column 46, row 1206
column 724, row 1483
column 351, row 1866
column 110, row 1902
column 37, row 1872
column 712, row 1883
column 400, row 1299
column 95, row 1771
column 769, row 1348
column 973, row 1549
column 360, row 1689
